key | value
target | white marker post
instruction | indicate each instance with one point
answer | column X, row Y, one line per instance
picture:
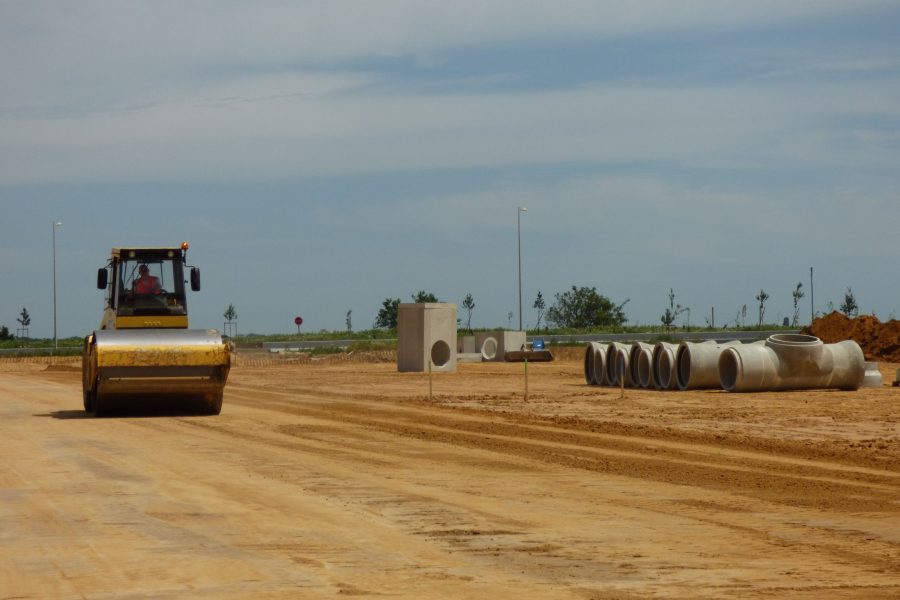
column 429, row 381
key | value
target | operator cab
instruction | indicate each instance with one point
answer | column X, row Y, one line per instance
column 146, row 282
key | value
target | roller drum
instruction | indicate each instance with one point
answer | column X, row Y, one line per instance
column 162, row 362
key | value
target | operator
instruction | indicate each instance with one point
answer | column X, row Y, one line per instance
column 146, row 283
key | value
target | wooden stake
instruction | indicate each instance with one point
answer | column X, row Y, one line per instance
column 526, row 380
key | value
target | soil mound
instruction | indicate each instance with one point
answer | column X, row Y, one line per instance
column 879, row 341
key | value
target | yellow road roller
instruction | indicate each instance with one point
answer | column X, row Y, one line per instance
column 143, row 350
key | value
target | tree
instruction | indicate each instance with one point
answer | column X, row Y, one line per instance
column 422, row 296
column 469, row 304
column 583, row 307
column 849, row 306
column 349, row 320
column 762, row 296
column 387, row 314
column 230, row 314
column 798, row 295
column 668, row 317
column 539, row 305
column 4, row 333
column 24, row 321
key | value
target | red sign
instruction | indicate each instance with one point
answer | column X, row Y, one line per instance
column 298, row 321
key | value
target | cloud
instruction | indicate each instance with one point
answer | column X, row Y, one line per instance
column 290, row 126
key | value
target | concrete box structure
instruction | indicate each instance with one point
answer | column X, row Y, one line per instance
column 494, row 345
column 426, row 332
column 466, row 345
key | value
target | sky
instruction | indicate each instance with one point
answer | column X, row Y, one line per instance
column 322, row 156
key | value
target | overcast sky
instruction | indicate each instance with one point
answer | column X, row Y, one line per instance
column 323, row 156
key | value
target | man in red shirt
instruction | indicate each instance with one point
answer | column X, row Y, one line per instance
column 146, row 283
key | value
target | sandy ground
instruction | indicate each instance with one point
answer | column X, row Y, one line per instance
column 345, row 478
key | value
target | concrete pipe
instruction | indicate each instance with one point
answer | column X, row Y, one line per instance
column 641, row 355
column 600, row 365
column 589, row 363
column 667, row 380
column 697, row 365
column 623, row 366
column 612, row 352
column 595, row 372
column 792, row 362
column 873, row 376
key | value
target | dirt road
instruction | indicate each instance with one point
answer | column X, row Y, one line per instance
column 329, row 479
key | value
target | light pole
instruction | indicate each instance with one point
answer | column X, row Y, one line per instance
column 519, row 224
column 55, row 225
column 812, row 298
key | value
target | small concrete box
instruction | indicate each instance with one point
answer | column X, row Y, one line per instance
column 466, row 345
column 494, row 345
column 426, row 332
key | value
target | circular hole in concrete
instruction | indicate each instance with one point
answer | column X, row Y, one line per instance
column 489, row 348
column 728, row 369
column 440, row 353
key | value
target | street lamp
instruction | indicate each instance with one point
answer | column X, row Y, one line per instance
column 519, row 223
column 812, row 298
column 55, row 225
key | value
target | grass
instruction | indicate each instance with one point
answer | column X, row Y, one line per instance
column 368, row 340
column 41, row 343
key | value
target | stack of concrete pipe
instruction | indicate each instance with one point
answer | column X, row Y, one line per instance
column 781, row 362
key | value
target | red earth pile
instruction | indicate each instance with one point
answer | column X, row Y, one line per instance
column 879, row 341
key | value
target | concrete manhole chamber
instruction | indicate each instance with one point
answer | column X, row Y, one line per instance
column 426, row 333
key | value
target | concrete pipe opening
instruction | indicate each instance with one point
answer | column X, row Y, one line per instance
column 663, row 381
column 644, row 368
column 612, row 353
column 589, row 363
column 599, row 368
column 622, row 367
column 440, row 353
column 489, row 348
column 664, row 372
column 729, row 367
column 634, row 363
column 683, row 366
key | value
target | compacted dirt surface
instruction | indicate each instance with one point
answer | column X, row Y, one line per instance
column 343, row 477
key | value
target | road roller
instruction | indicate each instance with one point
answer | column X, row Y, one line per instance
column 144, row 351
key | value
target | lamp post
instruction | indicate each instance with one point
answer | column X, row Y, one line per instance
column 55, row 225
column 812, row 298
column 519, row 224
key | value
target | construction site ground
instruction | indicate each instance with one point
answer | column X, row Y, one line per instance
column 341, row 476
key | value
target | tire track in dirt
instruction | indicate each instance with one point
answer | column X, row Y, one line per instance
column 793, row 482
column 353, row 422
